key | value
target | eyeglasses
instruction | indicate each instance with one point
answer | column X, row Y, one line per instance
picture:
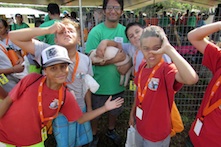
column 116, row 8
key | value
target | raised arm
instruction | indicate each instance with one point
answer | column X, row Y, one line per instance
column 198, row 36
column 24, row 38
column 185, row 74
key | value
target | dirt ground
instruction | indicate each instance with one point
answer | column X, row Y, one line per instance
column 122, row 125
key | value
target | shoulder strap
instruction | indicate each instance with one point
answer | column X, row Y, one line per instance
column 34, row 81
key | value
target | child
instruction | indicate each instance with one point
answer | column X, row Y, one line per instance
column 157, row 82
column 206, row 129
column 67, row 34
column 36, row 99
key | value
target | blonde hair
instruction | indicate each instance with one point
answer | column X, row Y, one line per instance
column 67, row 21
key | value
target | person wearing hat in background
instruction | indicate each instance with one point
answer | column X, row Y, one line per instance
column 19, row 23
column 66, row 14
column 25, row 126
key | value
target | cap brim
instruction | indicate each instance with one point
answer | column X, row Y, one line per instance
column 57, row 62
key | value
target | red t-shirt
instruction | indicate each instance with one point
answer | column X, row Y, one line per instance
column 211, row 129
column 156, row 121
column 21, row 125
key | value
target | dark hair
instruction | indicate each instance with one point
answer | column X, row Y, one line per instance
column 121, row 2
column 132, row 24
column 53, row 8
column 4, row 22
column 18, row 15
column 73, row 14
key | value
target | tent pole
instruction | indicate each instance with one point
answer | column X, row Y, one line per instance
column 82, row 26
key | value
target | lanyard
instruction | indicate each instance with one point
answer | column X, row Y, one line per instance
column 75, row 67
column 141, row 94
column 40, row 108
column 208, row 109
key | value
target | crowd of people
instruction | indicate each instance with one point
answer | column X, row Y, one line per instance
column 44, row 90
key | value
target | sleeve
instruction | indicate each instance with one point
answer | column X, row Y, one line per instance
column 17, row 91
column 39, row 47
column 13, row 27
column 71, row 108
column 212, row 57
column 27, row 26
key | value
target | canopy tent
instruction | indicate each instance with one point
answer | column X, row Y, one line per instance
column 10, row 12
column 128, row 4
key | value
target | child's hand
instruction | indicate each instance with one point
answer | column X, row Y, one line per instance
column 164, row 47
column 109, row 105
column 57, row 28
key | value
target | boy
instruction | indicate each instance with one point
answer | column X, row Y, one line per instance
column 157, row 83
column 42, row 98
column 206, row 129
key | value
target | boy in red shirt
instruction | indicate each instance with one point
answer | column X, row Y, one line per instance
column 36, row 99
column 206, row 129
column 157, row 82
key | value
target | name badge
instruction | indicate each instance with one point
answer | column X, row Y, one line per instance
column 3, row 79
column 132, row 86
column 2, row 144
column 198, row 127
column 119, row 39
column 139, row 113
column 44, row 133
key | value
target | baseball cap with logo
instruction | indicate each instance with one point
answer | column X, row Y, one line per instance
column 54, row 54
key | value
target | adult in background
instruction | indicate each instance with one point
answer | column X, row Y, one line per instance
column 108, row 81
column 19, row 23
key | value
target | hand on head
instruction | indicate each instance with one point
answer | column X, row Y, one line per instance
column 164, row 47
column 58, row 27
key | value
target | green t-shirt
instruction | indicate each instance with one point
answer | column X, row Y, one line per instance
column 48, row 38
column 18, row 27
column 107, row 76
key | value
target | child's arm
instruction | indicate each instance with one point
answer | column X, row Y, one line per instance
column 185, row 74
column 102, row 47
column 109, row 105
column 198, row 36
column 132, row 113
column 15, row 69
column 3, row 93
column 88, row 101
column 4, row 105
column 24, row 38
column 104, row 44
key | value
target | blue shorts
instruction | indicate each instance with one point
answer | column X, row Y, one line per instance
column 71, row 134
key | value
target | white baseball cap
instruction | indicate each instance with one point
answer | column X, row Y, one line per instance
column 54, row 54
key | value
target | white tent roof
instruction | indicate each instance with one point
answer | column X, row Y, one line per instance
column 10, row 12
